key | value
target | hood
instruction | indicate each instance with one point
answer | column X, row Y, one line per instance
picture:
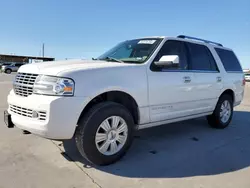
column 56, row 67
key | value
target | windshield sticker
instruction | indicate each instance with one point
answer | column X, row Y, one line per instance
column 146, row 42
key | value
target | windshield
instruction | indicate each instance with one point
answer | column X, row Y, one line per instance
column 133, row 51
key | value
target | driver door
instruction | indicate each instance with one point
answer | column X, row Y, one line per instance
column 171, row 89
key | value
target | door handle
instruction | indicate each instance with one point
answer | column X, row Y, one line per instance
column 218, row 79
column 187, row 79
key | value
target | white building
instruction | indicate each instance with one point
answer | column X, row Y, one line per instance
column 246, row 70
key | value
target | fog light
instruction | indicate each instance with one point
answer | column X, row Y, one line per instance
column 35, row 114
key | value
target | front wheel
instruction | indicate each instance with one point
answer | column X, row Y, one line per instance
column 8, row 71
column 105, row 133
column 223, row 113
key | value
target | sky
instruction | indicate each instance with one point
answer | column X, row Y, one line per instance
column 84, row 29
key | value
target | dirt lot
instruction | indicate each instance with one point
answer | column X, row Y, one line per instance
column 188, row 154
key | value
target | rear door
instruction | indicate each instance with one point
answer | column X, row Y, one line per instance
column 208, row 82
column 233, row 78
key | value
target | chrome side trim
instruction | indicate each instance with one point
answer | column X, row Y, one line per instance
column 234, row 72
column 148, row 125
column 194, row 71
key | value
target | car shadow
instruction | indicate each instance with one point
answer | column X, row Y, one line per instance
column 183, row 149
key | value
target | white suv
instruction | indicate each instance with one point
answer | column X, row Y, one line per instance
column 137, row 84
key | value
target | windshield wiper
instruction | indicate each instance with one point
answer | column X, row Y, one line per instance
column 113, row 59
column 132, row 61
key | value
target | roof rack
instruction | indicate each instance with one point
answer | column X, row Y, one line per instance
column 194, row 38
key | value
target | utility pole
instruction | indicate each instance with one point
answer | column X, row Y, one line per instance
column 43, row 50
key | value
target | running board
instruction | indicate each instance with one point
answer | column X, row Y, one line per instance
column 154, row 124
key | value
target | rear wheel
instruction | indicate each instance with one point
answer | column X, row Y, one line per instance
column 223, row 113
column 105, row 133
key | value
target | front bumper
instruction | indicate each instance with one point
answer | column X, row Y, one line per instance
column 61, row 117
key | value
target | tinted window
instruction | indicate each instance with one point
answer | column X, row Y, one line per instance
column 174, row 48
column 229, row 60
column 19, row 64
column 201, row 58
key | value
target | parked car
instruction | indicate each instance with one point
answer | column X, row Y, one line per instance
column 8, row 69
column 247, row 77
column 137, row 84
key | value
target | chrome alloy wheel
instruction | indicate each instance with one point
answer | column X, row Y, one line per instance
column 111, row 135
column 225, row 111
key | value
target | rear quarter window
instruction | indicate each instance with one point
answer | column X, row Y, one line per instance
column 229, row 60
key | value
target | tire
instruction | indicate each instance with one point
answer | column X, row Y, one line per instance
column 216, row 120
column 90, row 124
column 8, row 71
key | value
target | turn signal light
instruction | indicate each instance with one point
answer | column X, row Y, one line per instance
column 69, row 89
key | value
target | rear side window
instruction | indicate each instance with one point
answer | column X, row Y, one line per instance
column 19, row 64
column 229, row 60
column 201, row 58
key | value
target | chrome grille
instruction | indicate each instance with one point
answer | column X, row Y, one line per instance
column 27, row 112
column 23, row 84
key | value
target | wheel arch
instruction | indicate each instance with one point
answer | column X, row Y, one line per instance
column 8, row 69
column 229, row 92
column 117, row 96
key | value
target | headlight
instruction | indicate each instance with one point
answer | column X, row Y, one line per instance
column 50, row 85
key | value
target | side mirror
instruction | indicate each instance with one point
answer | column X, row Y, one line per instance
column 171, row 61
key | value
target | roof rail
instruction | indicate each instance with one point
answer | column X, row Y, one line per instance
column 194, row 38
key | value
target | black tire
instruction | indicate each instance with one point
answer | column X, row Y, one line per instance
column 8, row 71
column 87, row 128
column 214, row 120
